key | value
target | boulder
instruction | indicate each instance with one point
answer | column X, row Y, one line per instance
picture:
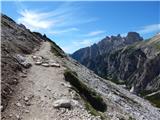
column 45, row 64
column 26, row 99
column 54, row 64
column 62, row 103
column 26, row 65
column 65, row 103
column 21, row 59
column 37, row 58
column 18, row 104
column 38, row 62
column 34, row 57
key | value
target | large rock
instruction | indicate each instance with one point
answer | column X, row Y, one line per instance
column 54, row 64
column 65, row 103
column 22, row 60
column 45, row 64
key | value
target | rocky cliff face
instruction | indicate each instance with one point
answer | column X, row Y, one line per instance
column 95, row 56
column 128, row 61
column 105, row 46
column 137, row 65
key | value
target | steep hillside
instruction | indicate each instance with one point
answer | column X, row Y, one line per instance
column 135, row 64
column 15, row 40
column 50, row 85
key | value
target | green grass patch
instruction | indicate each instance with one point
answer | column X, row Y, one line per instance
column 155, row 99
column 157, row 45
column 145, row 92
column 94, row 101
column 130, row 118
column 56, row 50
column 94, row 111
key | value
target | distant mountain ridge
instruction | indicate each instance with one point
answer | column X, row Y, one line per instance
column 125, row 60
column 105, row 46
column 94, row 57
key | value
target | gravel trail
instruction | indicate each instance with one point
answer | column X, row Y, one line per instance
column 38, row 89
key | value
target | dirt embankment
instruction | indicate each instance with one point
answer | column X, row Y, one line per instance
column 16, row 41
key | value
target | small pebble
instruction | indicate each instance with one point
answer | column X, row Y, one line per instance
column 23, row 76
column 26, row 111
column 17, row 116
column 26, row 99
column 27, row 104
column 18, row 104
column 1, row 107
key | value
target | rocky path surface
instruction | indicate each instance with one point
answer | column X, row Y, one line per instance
column 39, row 90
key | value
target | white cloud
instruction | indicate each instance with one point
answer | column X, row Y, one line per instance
column 67, row 49
column 149, row 29
column 57, row 32
column 35, row 20
column 88, row 41
column 146, row 29
column 60, row 20
column 65, row 15
column 95, row 33
column 85, row 42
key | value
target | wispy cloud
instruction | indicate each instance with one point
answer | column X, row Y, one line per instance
column 95, row 33
column 62, row 19
column 84, row 42
column 35, row 20
column 87, row 42
column 149, row 29
column 67, row 49
column 146, row 29
column 57, row 32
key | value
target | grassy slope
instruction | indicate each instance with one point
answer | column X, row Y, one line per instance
column 93, row 101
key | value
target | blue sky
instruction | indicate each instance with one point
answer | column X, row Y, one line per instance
column 73, row 25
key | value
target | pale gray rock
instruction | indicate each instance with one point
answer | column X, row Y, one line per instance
column 45, row 64
column 65, row 103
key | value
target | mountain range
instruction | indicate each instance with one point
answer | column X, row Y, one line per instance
column 129, row 61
